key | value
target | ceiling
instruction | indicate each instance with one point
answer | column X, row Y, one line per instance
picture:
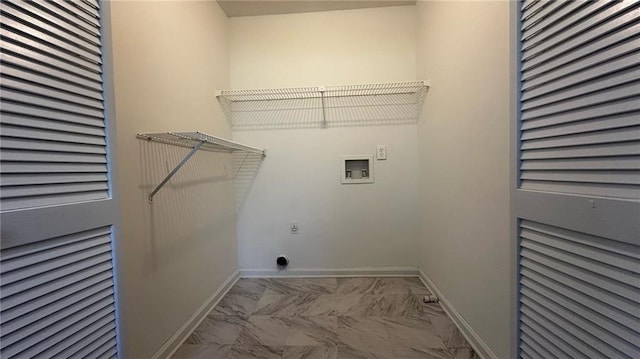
column 236, row 8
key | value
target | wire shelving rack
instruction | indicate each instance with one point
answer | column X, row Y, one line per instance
column 196, row 141
column 309, row 107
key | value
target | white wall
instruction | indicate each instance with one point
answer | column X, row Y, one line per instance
column 463, row 47
column 324, row 48
column 341, row 226
column 169, row 59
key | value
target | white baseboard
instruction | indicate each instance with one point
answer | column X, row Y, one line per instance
column 479, row 346
column 172, row 344
column 331, row 272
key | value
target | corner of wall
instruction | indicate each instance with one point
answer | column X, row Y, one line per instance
column 169, row 58
column 175, row 341
column 477, row 343
column 464, row 171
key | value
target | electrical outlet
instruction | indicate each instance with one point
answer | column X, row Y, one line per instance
column 294, row 228
column 381, row 152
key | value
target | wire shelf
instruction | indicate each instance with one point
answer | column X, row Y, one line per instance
column 309, row 107
column 196, row 141
column 191, row 139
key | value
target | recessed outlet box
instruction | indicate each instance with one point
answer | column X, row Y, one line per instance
column 357, row 169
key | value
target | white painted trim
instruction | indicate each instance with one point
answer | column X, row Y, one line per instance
column 479, row 346
column 331, row 272
column 172, row 344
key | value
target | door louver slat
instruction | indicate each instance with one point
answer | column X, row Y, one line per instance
column 577, row 142
column 87, row 8
column 33, row 90
column 39, row 20
column 592, row 42
column 543, row 345
column 583, row 290
column 582, row 293
column 579, row 127
column 540, row 18
column 51, row 104
column 604, row 83
column 68, row 284
column 70, row 17
column 51, row 49
column 98, row 302
column 595, row 9
column 57, row 286
column 55, row 293
column 11, row 59
column 46, row 82
column 551, row 17
column 46, row 131
column 69, row 21
column 580, row 100
column 597, row 14
column 71, row 7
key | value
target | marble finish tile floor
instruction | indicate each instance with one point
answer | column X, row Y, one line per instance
column 326, row 318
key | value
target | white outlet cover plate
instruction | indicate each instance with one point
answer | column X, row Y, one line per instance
column 381, row 152
column 294, row 228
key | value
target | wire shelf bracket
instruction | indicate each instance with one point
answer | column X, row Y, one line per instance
column 320, row 106
column 196, row 141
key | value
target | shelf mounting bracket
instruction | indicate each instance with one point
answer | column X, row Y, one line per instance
column 175, row 170
column 322, row 90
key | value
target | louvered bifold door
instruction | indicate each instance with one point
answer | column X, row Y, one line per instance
column 577, row 197
column 57, row 289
